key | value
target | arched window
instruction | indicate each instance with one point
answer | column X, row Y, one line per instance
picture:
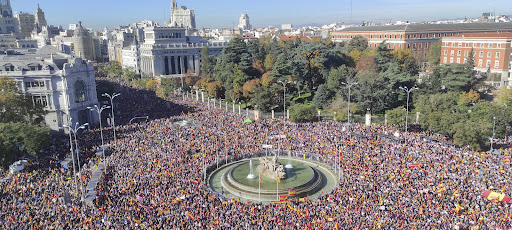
column 79, row 91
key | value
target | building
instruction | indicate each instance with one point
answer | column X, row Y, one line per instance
column 286, row 26
column 64, row 85
column 243, row 22
column 83, row 43
column 27, row 23
column 130, row 56
column 182, row 17
column 491, row 53
column 168, row 51
column 417, row 37
column 40, row 18
column 8, row 24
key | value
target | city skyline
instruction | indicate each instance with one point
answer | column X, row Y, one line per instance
column 213, row 14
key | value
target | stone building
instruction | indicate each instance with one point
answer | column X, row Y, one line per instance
column 182, row 17
column 40, row 18
column 64, row 85
column 83, row 43
column 27, row 23
column 168, row 51
column 244, row 23
column 8, row 24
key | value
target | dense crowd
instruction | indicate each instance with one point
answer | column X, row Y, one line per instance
column 154, row 177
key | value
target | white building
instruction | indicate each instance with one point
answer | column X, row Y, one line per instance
column 130, row 56
column 26, row 22
column 243, row 22
column 8, row 24
column 182, row 17
column 64, row 85
column 40, row 18
column 168, row 51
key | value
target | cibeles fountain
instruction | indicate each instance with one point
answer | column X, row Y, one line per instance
column 272, row 179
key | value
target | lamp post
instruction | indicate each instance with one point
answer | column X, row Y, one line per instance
column 349, row 85
column 74, row 131
column 284, row 97
column 493, row 132
column 99, row 110
column 72, row 150
column 111, row 97
column 408, row 91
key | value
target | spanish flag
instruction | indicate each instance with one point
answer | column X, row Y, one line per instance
column 441, row 189
column 292, row 192
column 414, row 165
column 456, row 193
column 337, row 226
column 190, row 216
column 195, row 181
column 283, row 198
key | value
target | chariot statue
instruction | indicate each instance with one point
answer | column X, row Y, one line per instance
column 271, row 168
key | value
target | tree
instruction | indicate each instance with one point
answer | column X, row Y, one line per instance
column 269, row 62
column 207, row 62
column 114, row 69
column 130, row 75
column 504, row 95
column 455, row 77
column 434, row 57
column 339, row 75
column 396, row 116
column 469, row 97
column 264, row 98
column 17, row 139
column 16, row 106
column 359, row 43
column 302, row 113
column 323, row 97
column 366, row 63
column 250, row 87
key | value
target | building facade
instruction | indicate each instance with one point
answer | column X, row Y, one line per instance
column 182, row 17
column 491, row 54
column 243, row 22
column 40, row 18
column 417, row 37
column 168, row 51
column 8, row 24
column 64, row 85
column 27, row 23
column 83, row 44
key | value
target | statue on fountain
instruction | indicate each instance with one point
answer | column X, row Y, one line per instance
column 271, row 168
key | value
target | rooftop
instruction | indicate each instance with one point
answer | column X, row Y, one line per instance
column 432, row 27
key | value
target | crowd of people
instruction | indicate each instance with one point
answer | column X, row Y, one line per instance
column 154, row 178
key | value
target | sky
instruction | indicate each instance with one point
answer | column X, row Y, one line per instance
column 98, row 14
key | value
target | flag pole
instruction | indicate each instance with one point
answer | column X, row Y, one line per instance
column 259, row 189
column 277, row 187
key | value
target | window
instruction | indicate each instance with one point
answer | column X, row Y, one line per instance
column 421, row 45
column 481, row 44
column 480, row 63
column 414, row 46
column 400, row 46
column 496, row 64
column 488, row 65
column 426, row 45
column 79, row 91
column 465, row 53
column 490, row 45
column 499, row 45
column 467, row 44
column 458, row 60
column 460, row 44
column 451, row 60
column 465, row 60
column 459, row 53
column 452, row 52
column 489, row 54
column 481, row 54
column 497, row 54
column 474, row 44
column 445, row 59
column 34, row 84
column 40, row 100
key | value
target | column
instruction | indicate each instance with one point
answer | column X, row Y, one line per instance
column 190, row 60
column 197, row 64
column 182, row 65
column 176, row 60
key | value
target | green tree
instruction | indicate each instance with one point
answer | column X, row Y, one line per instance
column 339, row 75
column 323, row 97
column 455, row 77
column 302, row 113
column 359, row 43
column 16, row 106
column 17, row 139
column 434, row 57
column 504, row 95
column 130, row 75
column 264, row 98
column 396, row 116
column 207, row 62
column 114, row 69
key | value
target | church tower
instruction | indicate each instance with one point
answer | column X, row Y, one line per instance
column 83, row 46
column 5, row 8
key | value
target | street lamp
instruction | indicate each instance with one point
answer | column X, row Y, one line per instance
column 99, row 110
column 114, row 95
column 284, row 97
column 349, row 85
column 493, row 132
column 408, row 91
column 74, row 131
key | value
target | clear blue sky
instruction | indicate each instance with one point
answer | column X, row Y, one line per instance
column 224, row 13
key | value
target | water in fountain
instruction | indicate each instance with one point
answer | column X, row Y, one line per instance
column 251, row 174
column 289, row 165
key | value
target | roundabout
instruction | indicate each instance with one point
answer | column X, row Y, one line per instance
column 246, row 180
